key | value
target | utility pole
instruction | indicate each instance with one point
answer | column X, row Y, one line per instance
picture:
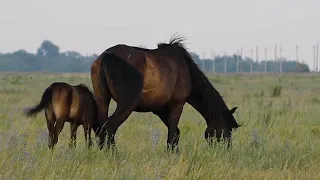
column 238, row 61
column 317, row 53
column 314, row 58
column 203, row 61
column 241, row 56
column 297, row 56
column 275, row 52
column 241, row 52
column 265, row 58
column 257, row 53
column 213, row 61
column 225, row 62
column 257, row 56
column 280, row 59
column 251, row 51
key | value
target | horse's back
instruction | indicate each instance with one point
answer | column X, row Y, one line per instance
column 164, row 72
column 133, row 56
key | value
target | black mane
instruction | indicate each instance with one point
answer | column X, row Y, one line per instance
column 212, row 102
column 175, row 41
column 86, row 88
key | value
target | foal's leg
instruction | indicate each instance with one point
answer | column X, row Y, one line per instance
column 87, row 134
column 73, row 134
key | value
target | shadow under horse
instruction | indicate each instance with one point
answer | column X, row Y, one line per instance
column 62, row 103
column 160, row 81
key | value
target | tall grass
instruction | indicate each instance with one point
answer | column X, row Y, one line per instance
column 279, row 139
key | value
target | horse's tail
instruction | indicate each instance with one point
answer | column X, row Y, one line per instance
column 103, row 75
column 45, row 100
column 123, row 75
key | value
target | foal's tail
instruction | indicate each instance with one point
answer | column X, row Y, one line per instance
column 45, row 100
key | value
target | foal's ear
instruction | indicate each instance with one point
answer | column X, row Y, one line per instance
column 233, row 110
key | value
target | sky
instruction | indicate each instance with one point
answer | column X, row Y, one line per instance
column 222, row 26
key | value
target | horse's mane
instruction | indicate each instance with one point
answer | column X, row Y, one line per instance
column 176, row 42
column 202, row 91
column 87, row 89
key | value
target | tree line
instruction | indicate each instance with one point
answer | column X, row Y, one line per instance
column 48, row 58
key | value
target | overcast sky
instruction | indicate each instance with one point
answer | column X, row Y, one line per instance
column 93, row 26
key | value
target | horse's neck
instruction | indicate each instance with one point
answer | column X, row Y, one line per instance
column 209, row 104
column 200, row 106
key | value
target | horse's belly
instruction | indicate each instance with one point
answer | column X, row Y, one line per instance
column 153, row 98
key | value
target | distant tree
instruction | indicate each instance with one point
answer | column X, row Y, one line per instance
column 47, row 48
column 73, row 54
column 300, row 67
column 22, row 53
column 48, row 58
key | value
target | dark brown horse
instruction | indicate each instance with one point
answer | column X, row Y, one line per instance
column 63, row 102
column 161, row 81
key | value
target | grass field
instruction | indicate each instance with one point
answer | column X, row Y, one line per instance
column 280, row 137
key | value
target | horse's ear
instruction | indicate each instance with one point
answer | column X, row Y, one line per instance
column 233, row 110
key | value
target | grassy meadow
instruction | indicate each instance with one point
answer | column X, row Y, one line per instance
column 280, row 137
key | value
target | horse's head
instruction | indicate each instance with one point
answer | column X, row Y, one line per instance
column 231, row 121
column 228, row 122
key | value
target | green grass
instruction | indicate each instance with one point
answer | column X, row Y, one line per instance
column 280, row 137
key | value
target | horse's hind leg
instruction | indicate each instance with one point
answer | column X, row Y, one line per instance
column 73, row 134
column 58, row 128
column 121, row 113
column 50, row 125
column 126, row 103
column 127, row 83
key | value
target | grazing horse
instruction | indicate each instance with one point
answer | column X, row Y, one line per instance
column 63, row 102
column 160, row 81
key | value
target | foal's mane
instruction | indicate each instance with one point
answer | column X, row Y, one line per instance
column 203, row 92
column 87, row 89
